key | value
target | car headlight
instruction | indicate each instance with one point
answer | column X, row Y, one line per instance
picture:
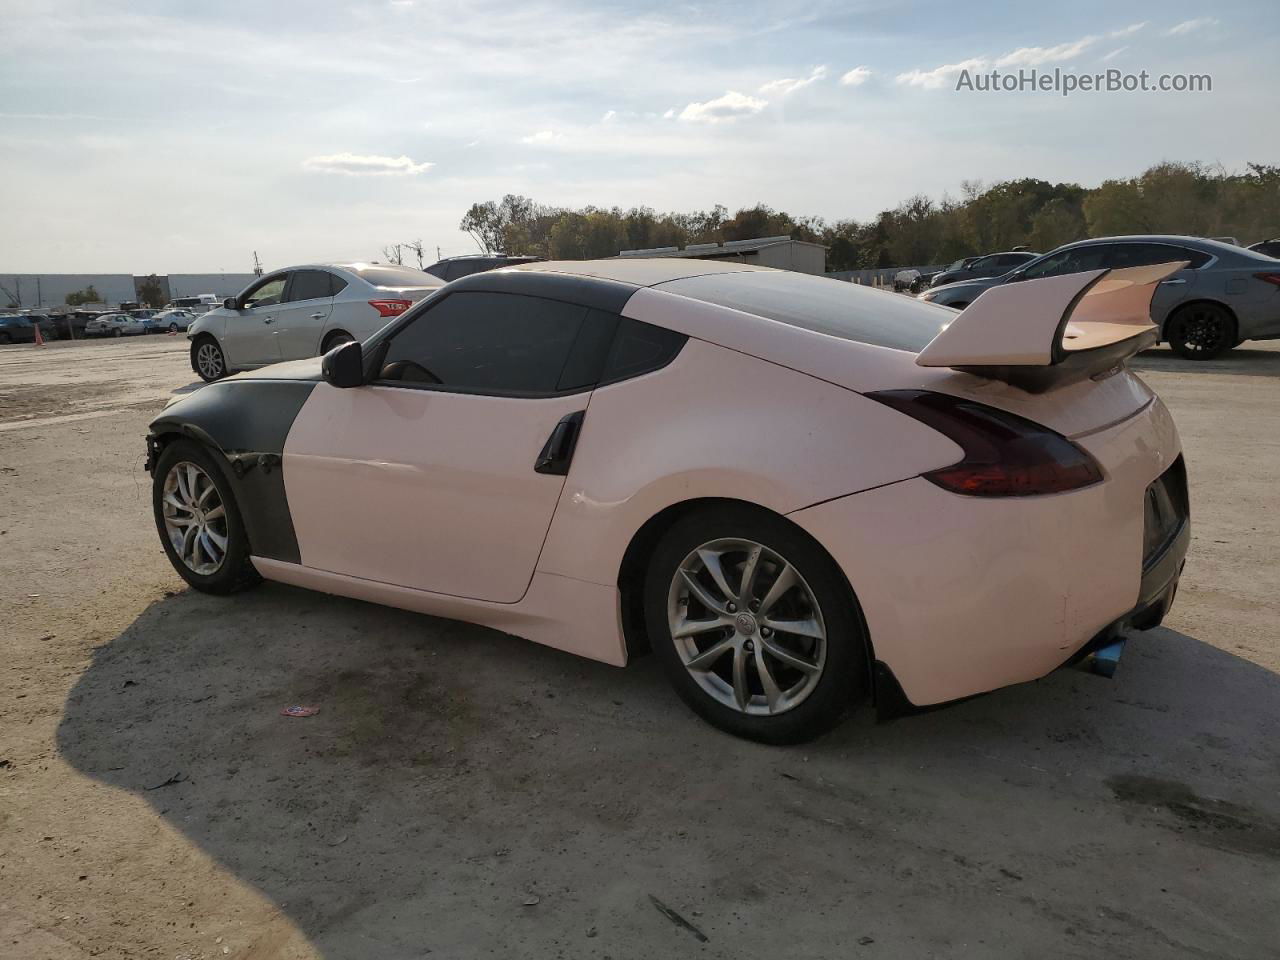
column 928, row 295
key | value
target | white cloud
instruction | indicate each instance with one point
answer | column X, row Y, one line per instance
column 855, row 77
column 1035, row 56
column 941, row 76
column 731, row 106
column 790, row 84
column 1114, row 53
column 1190, row 26
column 609, row 115
column 1128, row 31
column 355, row 165
column 669, row 114
column 946, row 74
column 542, row 136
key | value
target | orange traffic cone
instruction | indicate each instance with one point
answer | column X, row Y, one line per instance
column 39, row 338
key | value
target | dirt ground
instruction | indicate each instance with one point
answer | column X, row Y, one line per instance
column 466, row 794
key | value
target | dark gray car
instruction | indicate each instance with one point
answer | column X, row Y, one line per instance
column 451, row 268
column 992, row 265
column 1225, row 295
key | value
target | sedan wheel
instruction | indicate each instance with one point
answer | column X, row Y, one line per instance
column 117, row 332
column 208, row 360
column 755, row 625
column 747, row 626
column 173, row 328
column 1201, row 331
column 195, row 518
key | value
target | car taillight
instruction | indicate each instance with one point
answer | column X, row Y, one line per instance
column 390, row 308
column 1273, row 278
column 1004, row 455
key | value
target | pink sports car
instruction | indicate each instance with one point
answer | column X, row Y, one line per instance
column 798, row 493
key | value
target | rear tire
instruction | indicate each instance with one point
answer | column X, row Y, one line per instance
column 1201, row 331
column 6, row 338
column 199, row 521
column 207, row 359
column 117, row 332
column 745, row 672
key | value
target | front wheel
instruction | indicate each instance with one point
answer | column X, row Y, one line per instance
column 198, row 520
column 117, row 332
column 207, row 359
column 1201, row 331
column 755, row 626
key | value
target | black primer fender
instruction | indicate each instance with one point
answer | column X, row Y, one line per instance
column 247, row 421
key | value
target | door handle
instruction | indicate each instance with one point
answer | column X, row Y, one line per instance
column 268, row 319
column 557, row 452
column 1173, row 282
column 317, row 316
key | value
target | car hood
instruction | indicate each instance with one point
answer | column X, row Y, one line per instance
column 308, row 369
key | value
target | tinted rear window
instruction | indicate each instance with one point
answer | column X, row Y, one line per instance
column 392, row 276
column 833, row 307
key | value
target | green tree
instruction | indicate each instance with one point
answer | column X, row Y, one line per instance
column 150, row 292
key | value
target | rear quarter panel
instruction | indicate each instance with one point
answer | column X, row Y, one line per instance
column 717, row 423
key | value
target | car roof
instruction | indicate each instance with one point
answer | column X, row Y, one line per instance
column 636, row 271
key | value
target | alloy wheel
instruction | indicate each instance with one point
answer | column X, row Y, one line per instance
column 1203, row 330
column 209, row 360
column 195, row 518
column 747, row 626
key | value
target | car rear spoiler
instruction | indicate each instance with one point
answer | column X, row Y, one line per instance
column 1040, row 334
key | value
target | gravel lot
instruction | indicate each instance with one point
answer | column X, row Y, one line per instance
column 463, row 793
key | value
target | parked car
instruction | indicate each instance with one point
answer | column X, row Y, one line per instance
column 202, row 303
column 602, row 455
column 906, row 280
column 115, row 325
column 71, row 325
column 172, row 321
column 451, row 268
column 21, row 328
column 302, row 312
column 992, row 265
column 1226, row 294
column 1268, row 248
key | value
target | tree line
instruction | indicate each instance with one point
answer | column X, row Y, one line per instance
column 1177, row 198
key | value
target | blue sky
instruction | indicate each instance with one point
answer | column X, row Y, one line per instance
column 167, row 137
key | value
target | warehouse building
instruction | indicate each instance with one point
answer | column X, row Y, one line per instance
column 35, row 291
column 780, row 252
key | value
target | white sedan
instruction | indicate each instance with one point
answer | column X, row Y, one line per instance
column 115, row 325
column 171, row 321
column 303, row 312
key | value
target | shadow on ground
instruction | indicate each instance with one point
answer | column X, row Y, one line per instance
column 1243, row 360
column 454, row 776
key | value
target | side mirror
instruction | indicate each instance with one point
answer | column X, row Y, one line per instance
column 343, row 366
column 230, row 303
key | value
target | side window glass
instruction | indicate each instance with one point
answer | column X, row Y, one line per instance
column 267, row 293
column 487, row 343
column 336, row 284
column 640, row 348
column 309, row 285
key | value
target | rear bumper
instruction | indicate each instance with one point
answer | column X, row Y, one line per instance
column 964, row 595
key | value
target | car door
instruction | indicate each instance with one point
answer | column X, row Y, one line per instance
column 248, row 338
column 430, row 477
column 300, row 319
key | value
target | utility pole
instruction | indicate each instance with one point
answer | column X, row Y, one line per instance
column 257, row 265
column 438, row 257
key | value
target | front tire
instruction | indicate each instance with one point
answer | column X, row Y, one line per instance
column 1201, row 331
column 208, row 360
column 198, row 520
column 117, row 332
column 754, row 625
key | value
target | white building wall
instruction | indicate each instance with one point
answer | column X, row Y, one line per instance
column 219, row 284
column 35, row 290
